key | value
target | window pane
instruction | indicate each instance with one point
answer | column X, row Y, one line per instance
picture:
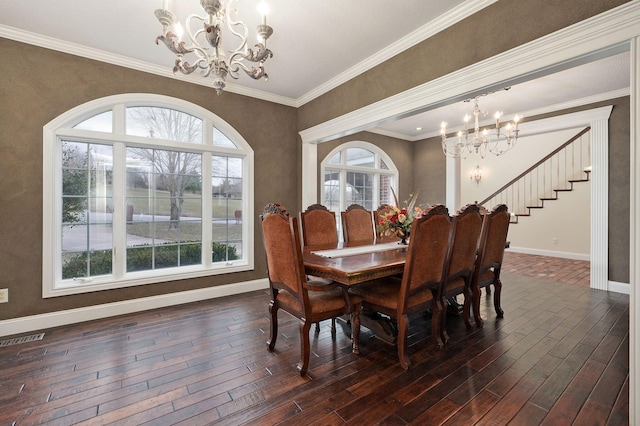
column 87, row 206
column 360, row 157
column 383, row 165
column 164, row 123
column 336, row 158
column 227, row 198
column 332, row 189
column 164, row 208
column 220, row 139
column 98, row 123
column 385, row 190
column 360, row 189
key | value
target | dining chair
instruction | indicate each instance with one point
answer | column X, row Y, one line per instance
column 319, row 229
column 420, row 287
column 290, row 290
column 466, row 225
column 318, row 226
column 357, row 224
column 493, row 237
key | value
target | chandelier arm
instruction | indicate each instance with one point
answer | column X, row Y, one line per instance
column 254, row 72
column 261, row 53
column 231, row 24
column 177, row 47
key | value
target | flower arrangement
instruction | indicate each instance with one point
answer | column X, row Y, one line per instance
column 397, row 221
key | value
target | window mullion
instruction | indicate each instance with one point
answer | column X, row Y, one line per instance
column 119, row 211
column 343, row 190
column 119, row 119
column 207, row 210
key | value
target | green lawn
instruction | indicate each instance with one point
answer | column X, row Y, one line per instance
column 223, row 209
column 191, row 207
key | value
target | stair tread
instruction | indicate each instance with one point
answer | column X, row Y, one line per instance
column 578, row 180
column 535, row 207
column 523, row 214
column 551, row 199
column 563, row 190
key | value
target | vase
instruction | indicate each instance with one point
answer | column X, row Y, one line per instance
column 403, row 238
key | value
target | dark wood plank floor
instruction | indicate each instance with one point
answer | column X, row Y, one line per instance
column 559, row 356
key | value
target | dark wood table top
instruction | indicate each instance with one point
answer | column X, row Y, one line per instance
column 355, row 269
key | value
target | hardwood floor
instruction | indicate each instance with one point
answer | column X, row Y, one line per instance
column 559, row 356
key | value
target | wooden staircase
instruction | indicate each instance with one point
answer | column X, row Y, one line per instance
column 557, row 172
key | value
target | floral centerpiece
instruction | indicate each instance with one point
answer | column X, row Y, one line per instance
column 397, row 220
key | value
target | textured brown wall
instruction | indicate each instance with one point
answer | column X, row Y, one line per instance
column 429, row 171
column 37, row 85
column 504, row 25
column 400, row 152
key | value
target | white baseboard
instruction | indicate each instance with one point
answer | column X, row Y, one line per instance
column 551, row 253
column 72, row 316
column 617, row 287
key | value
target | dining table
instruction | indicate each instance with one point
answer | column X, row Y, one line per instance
column 354, row 263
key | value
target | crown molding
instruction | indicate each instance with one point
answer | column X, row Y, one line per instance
column 127, row 62
column 444, row 21
column 433, row 27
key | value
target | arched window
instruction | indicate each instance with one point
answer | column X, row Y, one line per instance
column 357, row 173
column 140, row 189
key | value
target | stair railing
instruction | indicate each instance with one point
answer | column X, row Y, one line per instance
column 556, row 172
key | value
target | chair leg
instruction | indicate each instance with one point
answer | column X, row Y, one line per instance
column 318, row 327
column 403, row 327
column 444, row 336
column 466, row 308
column 476, row 305
column 273, row 310
column 305, row 347
column 333, row 328
column 496, row 298
column 355, row 329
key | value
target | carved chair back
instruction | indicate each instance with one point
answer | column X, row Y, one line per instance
column 465, row 232
column 318, row 226
column 285, row 266
column 427, row 252
column 493, row 238
column 357, row 224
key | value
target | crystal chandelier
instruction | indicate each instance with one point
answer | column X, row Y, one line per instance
column 496, row 140
column 206, row 42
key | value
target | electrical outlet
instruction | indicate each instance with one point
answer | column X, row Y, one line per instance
column 4, row 295
column 555, row 240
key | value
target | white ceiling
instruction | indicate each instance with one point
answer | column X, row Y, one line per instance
column 317, row 45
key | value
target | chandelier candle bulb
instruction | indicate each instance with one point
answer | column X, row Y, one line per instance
column 263, row 9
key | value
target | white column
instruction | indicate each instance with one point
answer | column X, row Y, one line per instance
column 309, row 174
column 634, row 249
column 599, row 204
column 452, row 176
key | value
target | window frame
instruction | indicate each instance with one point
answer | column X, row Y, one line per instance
column 61, row 128
column 343, row 168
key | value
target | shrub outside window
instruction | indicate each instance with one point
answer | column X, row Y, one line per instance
column 141, row 189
